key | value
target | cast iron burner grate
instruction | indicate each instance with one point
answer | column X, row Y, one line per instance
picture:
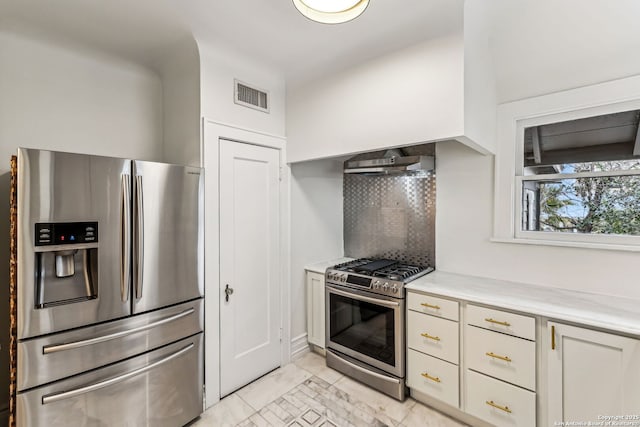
column 384, row 268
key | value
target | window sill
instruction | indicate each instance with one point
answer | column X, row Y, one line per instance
column 567, row 244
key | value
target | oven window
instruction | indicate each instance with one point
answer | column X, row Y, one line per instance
column 363, row 327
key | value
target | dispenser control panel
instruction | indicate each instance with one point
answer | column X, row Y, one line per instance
column 66, row 233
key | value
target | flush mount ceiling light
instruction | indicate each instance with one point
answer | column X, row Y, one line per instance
column 331, row 11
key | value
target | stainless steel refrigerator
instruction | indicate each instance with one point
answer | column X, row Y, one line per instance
column 110, row 286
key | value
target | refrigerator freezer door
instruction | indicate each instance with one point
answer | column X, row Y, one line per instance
column 58, row 187
column 159, row 388
column 167, row 235
column 53, row 357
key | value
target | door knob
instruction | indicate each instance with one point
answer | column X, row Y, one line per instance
column 227, row 291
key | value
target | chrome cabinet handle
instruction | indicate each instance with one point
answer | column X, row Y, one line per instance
column 48, row 349
column 139, row 236
column 227, row 291
column 495, row 405
column 125, row 237
column 497, row 322
column 96, row 386
column 496, row 356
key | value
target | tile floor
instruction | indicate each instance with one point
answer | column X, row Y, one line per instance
column 307, row 393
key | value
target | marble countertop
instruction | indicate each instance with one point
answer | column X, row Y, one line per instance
column 320, row 267
column 601, row 311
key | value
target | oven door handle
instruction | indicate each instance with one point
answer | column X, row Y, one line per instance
column 370, row 372
column 384, row 303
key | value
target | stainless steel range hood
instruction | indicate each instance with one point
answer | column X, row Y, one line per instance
column 388, row 162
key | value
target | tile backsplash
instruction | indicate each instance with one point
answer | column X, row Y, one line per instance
column 390, row 216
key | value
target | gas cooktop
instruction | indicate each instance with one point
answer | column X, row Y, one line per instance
column 382, row 276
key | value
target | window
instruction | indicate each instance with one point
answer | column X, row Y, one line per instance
column 581, row 177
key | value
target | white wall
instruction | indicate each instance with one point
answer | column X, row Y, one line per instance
column 180, row 71
column 61, row 98
column 464, row 219
column 57, row 97
column 219, row 67
column 316, row 226
column 545, row 46
column 409, row 96
column 479, row 79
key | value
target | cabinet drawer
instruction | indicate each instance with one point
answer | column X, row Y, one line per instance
column 432, row 335
column 434, row 377
column 485, row 351
column 499, row 403
column 433, row 305
column 501, row 321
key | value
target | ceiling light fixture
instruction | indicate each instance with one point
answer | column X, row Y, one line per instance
column 331, row 11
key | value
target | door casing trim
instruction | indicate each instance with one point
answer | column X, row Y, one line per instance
column 212, row 132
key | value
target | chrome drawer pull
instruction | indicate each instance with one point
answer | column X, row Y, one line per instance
column 48, row 349
column 114, row 380
column 436, row 307
column 431, row 337
column 429, row 377
column 502, row 408
column 497, row 322
column 496, row 356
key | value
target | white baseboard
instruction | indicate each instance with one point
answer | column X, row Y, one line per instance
column 299, row 346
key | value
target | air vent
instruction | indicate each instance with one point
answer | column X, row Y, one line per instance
column 251, row 97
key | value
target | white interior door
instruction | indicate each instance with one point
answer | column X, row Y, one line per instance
column 249, row 263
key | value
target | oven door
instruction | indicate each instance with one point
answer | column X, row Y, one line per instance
column 367, row 327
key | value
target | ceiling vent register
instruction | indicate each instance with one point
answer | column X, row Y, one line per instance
column 251, row 97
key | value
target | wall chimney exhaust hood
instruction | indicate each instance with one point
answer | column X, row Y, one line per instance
column 393, row 161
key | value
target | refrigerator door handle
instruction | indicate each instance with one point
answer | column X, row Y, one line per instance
column 125, row 237
column 96, row 386
column 139, row 236
column 48, row 349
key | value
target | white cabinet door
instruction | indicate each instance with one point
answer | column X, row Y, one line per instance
column 591, row 374
column 315, row 308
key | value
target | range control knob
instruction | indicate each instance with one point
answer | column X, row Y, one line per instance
column 376, row 284
column 394, row 288
column 385, row 286
column 343, row 278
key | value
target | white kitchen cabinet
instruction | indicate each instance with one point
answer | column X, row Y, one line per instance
column 501, row 356
column 433, row 377
column 591, row 375
column 500, row 363
column 498, row 402
column 433, row 342
column 434, row 336
column 315, row 309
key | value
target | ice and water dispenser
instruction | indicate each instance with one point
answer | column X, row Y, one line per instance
column 66, row 262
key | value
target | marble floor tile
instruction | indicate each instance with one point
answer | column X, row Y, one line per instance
column 381, row 403
column 256, row 420
column 307, row 393
column 273, row 385
column 317, row 365
column 421, row 415
column 228, row 412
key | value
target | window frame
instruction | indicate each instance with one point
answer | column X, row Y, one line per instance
column 513, row 118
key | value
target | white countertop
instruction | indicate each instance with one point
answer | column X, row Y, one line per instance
column 320, row 267
column 601, row 311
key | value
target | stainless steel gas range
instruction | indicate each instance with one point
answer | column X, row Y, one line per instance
column 365, row 331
